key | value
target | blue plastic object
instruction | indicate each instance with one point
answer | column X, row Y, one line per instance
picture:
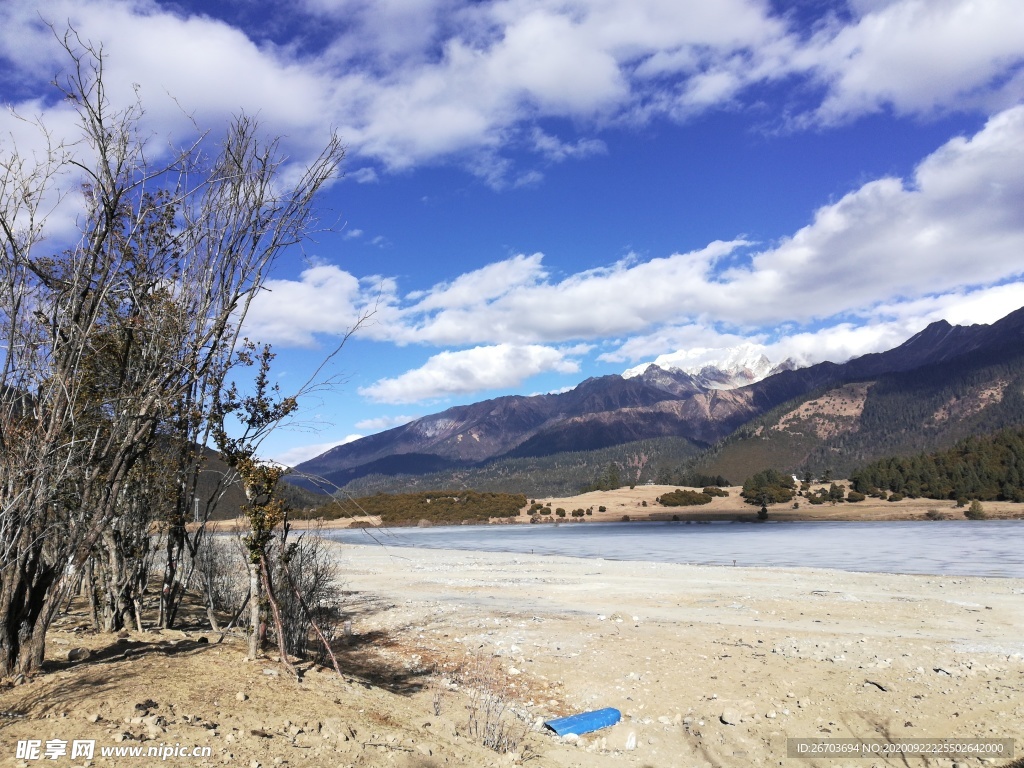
column 584, row 722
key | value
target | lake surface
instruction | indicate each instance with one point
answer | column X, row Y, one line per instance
column 965, row 548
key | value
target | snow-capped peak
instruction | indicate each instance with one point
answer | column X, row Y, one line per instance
column 721, row 368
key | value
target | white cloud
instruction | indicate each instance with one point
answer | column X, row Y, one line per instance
column 921, row 57
column 295, row 456
column 556, row 150
column 884, row 327
column 383, row 422
column 470, row 370
column 324, row 300
column 364, row 175
column 413, row 81
column 953, row 227
column 477, row 288
column 680, row 339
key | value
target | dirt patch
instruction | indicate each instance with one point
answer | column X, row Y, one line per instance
column 832, row 414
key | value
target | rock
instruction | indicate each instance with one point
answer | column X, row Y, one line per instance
column 631, row 741
column 771, row 715
column 78, row 654
column 271, row 672
column 730, row 717
column 570, row 738
column 241, row 696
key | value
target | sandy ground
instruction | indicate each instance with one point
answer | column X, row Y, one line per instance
column 630, row 501
column 710, row 666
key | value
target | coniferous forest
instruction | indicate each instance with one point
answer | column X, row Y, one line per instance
column 988, row 468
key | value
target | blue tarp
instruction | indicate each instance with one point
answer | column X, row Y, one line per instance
column 584, row 722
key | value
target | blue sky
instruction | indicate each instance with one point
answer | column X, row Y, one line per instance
column 540, row 191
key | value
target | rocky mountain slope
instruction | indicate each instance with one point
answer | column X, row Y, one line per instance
column 943, row 384
column 939, row 383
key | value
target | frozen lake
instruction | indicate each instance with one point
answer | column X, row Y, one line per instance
column 966, row 548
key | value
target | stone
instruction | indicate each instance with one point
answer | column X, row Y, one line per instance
column 730, row 717
column 631, row 741
column 240, row 696
column 78, row 654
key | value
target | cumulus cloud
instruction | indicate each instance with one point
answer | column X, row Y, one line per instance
column 919, row 58
column 880, row 328
column 295, row 456
column 408, row 83
column 324, row 300
column 953, row 227
column 470, row 370
column 383, row 422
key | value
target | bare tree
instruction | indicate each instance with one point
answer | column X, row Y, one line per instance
column 113, row 341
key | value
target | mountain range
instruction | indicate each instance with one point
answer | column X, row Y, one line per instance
column 941, row 384
column 731, row 368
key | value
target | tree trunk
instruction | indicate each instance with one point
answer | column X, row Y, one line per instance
column 257, row 612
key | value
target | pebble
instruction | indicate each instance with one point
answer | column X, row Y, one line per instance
column 631, row 741
column 78, row 654
column 240, row 696
column 730, row 717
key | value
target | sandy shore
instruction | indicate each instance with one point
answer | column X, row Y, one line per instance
column 680, row 649
column 710, row 666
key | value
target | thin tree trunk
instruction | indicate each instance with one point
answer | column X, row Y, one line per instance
column 278, row 626
column 256, row 621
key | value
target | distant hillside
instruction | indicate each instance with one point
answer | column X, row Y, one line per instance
column 660, row 460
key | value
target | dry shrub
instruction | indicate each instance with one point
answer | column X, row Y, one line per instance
column 221, row 573
column 491, row 716
column 313, row 571
column 223, row 576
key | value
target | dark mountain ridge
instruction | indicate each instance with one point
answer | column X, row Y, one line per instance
column 611, row 410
